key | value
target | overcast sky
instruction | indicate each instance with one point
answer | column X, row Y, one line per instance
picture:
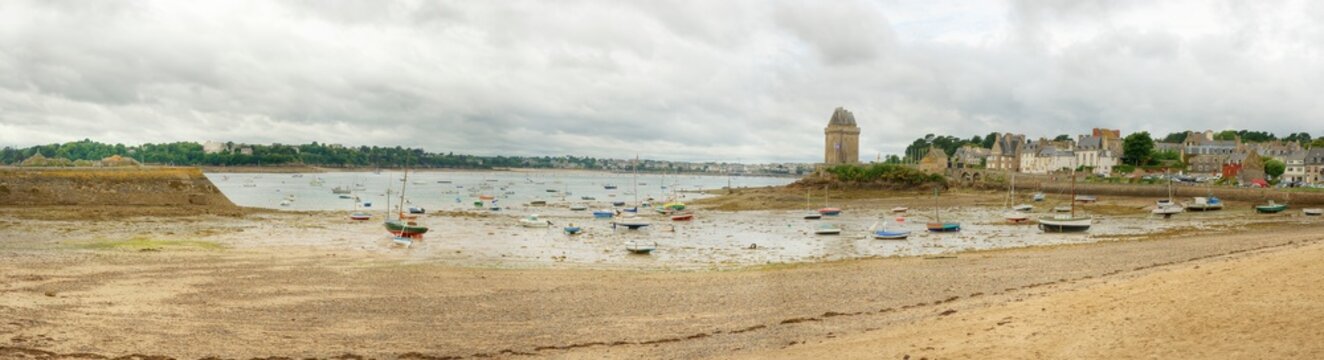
column 744, row 81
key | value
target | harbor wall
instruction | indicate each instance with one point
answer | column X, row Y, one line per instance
column 181, row 190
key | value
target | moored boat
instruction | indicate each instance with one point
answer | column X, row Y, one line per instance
column 827, row 229
column 1016, row 217
column 813, row 216
column 1204, row 204
column 829, row 211
column 360, row 216
column 1065, row 223
column 572, row 229
column 405, row 229
column 1313, row 211
column 1270, row 208
column 640, row 246
column 533, row 221
column 900, row 209
column 682, row 216
column 603, row 214
column 943, row 226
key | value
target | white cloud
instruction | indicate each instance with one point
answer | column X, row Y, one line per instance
column 692, row 80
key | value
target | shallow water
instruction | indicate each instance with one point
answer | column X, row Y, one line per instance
column 425, row 189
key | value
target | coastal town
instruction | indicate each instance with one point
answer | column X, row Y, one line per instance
column 860, row 179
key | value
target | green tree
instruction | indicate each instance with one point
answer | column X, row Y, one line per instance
column 1226, row 135
column 1274, row 168
column 1175, row 138
column 1063, row 137
column 1136, row 148
column 989, row 140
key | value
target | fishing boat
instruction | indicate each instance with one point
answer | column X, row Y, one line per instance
column 640, row 246
column 572, row 229
column 603, row 214
column 1204, row 204
column 1067, row 222
column 533, row 221
column 884, row 234
column 937, row 225
column 827, row 229
column 1313, row 211
column 1270, row 208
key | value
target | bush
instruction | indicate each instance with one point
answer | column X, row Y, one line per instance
column 884, row 173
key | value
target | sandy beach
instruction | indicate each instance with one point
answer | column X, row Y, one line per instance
column 232, row 287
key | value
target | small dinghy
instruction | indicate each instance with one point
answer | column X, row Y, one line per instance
column 830, row 211
column 943, row 226
column 827, row 229
column 578, row 207
column 617, row 203
column 532, row 221
column 630, row 223
column 813, row 216
column 1313, row 212
column 603, row 214
column 1062, row 208
column 1270, row 208
column 403, row 241
column 1204, row 204
column 1016, row 217
column 682, row 217
column 360, row 216
column 884, row 234
column 1023, row 207
column 640, row 246
column 416, row 210
column 900, row 209
column 1039, row 196
column 572, row 230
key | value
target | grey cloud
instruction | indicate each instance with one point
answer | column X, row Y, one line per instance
column 687, row 80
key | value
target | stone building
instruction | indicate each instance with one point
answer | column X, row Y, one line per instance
column 842, row 145
column 1006, row 152
column 970, row 156
column 934, row 162
column 1252, row 167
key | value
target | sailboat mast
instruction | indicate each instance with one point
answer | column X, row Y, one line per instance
column 936, row 215
column 1073, row 194
column 635, row 180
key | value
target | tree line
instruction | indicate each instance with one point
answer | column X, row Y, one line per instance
column 314, row 154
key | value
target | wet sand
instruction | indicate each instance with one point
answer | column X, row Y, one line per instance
column 240, row 287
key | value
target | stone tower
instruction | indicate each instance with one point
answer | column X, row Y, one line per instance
column 843, row 139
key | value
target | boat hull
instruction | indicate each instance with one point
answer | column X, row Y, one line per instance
column 829, row 211
column 891, row 235
column 1065, row 225
column 1270, row 209
column 400, row 229
column 943, row 227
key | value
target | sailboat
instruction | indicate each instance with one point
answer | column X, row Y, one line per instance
column 359, row 215
column 812, row 215
column 1017, row 214
column 1067, row 222
column 828, row 211
column 400, row 227
column 1166, row 207
column 632, row 221
column 1207, row 203
column 937, row 225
